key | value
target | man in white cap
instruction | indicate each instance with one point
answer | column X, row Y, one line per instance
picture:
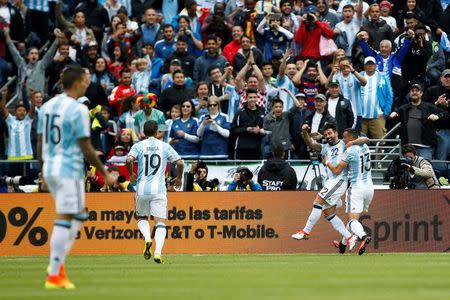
column 376, row 98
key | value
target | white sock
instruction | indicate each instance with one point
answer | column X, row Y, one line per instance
column 144, row 227
column 316, row 212
column 59, row 239
column 344, row 240
column 339, row 226
column 74, row 228
column 160, row 237
column 357, row 228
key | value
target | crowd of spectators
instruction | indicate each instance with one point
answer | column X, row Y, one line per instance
column 231, row 79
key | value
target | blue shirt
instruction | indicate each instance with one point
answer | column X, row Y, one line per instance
column 164, row 49
column 62, row 122
column 152, row 156
column 187, row 149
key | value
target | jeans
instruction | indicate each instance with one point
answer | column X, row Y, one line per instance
column 424, row 152
column 443, row 144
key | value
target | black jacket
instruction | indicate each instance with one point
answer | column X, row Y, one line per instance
column 277, row 175
column 415, row 63
column 242, row 120
column 431, row 95
column 174, row 95
column 187, row 63
column 344, row 115
column 378, row 31
column 240, row 60
column 326, row 118
column 428, row 127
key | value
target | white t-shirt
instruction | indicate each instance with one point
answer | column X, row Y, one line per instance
column 351, row 29
column 316, row 122
column 4, row 13
column 332, row 103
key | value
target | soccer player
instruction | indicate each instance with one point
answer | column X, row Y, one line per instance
column 151, row 193
column 356, row 159
column 63, row 138
column 330, row 195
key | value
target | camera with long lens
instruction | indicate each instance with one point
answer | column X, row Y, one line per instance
column 13, row 181
column 310, row 18
column 397, row 175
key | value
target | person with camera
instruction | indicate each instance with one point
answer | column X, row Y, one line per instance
column 120, row 183
column 194, row 40
column 245, row 17
column 242, row 181
column 214, row 130
column 197, row 179
column 329, row 197
column 420, row 169
column 276, row 174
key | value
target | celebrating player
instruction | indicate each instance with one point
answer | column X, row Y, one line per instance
column 356, row 159
column 330, row 195
column 151, row 193
column 63, row 138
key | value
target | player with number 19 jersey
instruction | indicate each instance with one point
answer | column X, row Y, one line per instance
column 333, row 154
column 62, row 121
column 152, row 156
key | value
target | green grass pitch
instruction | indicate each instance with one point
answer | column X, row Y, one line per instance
column 296, row 276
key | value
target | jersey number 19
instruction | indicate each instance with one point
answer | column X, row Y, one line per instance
column 152, row 161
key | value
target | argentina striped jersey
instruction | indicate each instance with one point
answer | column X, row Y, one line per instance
column 359, row 165
column 333, row 155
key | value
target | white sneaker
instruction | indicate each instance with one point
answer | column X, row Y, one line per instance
column 301, row 235
column 351, row 242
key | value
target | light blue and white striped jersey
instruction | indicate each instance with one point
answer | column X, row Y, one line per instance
column 369, row 95
column 359, row 167
column 152, row 156
column 40, row 5
column 62, row 122
column 333, row 154
column 289, row 85
column 19, row 141
column 351, row 90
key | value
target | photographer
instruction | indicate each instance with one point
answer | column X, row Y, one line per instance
column 243, row 181
column 120, row 183
column 420, row 169
column 194, row 40
column 275, row 36
column 197, row 179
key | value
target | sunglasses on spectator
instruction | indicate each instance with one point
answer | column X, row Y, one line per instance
column 212, row 104
column 188, row 106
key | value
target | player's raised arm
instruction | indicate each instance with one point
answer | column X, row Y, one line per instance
column 308, row 140
column 129, row 163
column 180, row 170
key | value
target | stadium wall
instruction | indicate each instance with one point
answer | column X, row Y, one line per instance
column 228, row 222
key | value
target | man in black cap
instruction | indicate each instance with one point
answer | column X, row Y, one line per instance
column 415, row 127
column 339, row 108
column 317, row 118
column 181, row 54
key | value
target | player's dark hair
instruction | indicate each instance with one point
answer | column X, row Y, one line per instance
column 408, row 148
column 71, row 75
column 352, row 132
column 150, row 128
column 329, row 125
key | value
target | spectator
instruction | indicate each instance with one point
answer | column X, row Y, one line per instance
column 347, row 29
column 12, row 16
column 193, row 39
column 60, row 61
column 96, row 17
column 98, row 123
column 121, row 38
column 440, row 95
column 385, row 10
column 242, row 181
column 197, row 179
column 175, row 113
column 216, row 24
column 317, row 118
column 377, row 28
column 120, row 183
column 103, row 76
column 213, row 131
column 420, row 169
column 296, row 121
column 95, row 91
column 339, row 108
column 120, row 92
column 88, row 57
column 130, row 106
column 150, row 29
column 166, row 46
column 376, row 98
column 432, row 11
column 286, row 73
column 410, row 9
column 112, row 7
column 311, row 84
column 81, row 35
column 411, row 22
column 436, row 63
column 245, row 17
column 201, row 98
column 243, row 54
column 309, row 33
column 248, row 129
column 109, row 135
column 112, row 30
column 181, row 53
column 148, row 112
column 218, row 86
column 415, row 129
column 290, row 21
column 167, row 79
column 184, row 132
column 118, row 62
column 327, row 14
column 275, row 36
column 196, row 16
column 141, row 78
column 31, row 74
column 230, row 49
column 350, row 82
column 175, row 94
column 276, row 174
column 19, row 129
column 209, row 58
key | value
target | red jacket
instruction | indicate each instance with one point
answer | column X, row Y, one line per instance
column 230, row 50
column 118, row 94
column 311, row 39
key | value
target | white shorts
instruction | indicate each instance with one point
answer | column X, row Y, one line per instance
column 332, row 192
column 68, row 194
column 358, row 199
column 155, row 205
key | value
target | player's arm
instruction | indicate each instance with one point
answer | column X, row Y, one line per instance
column 39, row 150
column 180, row 169
column 359, row 141
column 130, row 163
column 308, row 140
column 336, row 169
column 91, row 156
